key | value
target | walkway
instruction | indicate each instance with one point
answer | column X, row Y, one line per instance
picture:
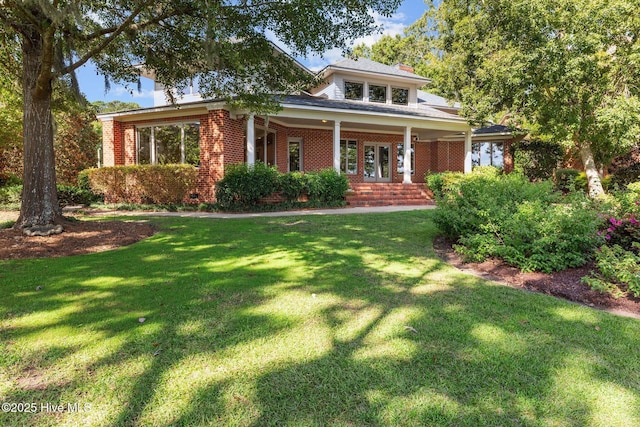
column 339, row 211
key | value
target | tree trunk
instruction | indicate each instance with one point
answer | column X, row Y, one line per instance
column 40, row 209
column 593, row 177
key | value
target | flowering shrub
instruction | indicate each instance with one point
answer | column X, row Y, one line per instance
column 623, row 232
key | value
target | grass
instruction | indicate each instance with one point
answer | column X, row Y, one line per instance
column 327, row 320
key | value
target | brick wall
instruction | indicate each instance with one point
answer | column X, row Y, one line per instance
column 112, row 143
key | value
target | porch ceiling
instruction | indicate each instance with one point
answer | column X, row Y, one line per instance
column 422, row 133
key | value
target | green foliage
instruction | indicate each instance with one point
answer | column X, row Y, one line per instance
column 244, row 185
column 626, row 169
column 536, row 159
column 157, row 184
column 71, row 195
column 526, row 224
column 475, row 199
column 327, row 186
column 439, row 183
column 113, row 106
column 538, row 236
column 10, row 194
column 292, row 185
column 569, row 68
column 618, row 270
column 567, row 179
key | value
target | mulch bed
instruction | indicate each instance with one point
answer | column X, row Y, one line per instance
column 563, row 284
column 79, row 237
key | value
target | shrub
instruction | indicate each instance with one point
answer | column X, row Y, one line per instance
column 626, row 169
column 9, row 180
column 327, row 186
column 293, row 185
column 477, row 199
column 526, row 224
column 439, row 183
column 243, row 185
column 538, row 236
column 157, row 184
column 10, row 194
column 70, row 195
column 565, row 179
column 617, row 268
column 536, row 159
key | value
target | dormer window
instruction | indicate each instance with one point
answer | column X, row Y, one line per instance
column 353, row 90
column 377, row 93
column 400, row 96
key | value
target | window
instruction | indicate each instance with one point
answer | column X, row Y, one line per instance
column 266, row 151
column 400, row 156
column 400, row 96
column 175, row 143
column 353, row 90
column 487, row 154
column 377, row 93
column 295, row 156
column 348, row 156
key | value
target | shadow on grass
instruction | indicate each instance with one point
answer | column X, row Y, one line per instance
column 311, row 321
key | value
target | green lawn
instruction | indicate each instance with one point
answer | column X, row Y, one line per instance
column 302, row 321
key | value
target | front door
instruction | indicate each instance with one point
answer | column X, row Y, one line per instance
column 377, row 162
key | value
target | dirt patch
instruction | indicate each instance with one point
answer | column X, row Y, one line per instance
column 79, row 237
column 563, row 284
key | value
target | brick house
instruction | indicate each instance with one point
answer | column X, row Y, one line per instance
column 368, row 120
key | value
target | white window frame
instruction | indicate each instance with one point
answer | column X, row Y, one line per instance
column 347, row 142
column 364, row 90
column 153, row 160
column 300, row 154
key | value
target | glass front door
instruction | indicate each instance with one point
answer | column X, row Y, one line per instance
column 377, row 162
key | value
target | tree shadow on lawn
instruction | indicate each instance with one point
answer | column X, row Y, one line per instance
column 239, row 337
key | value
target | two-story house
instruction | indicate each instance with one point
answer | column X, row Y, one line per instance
column 368, row 120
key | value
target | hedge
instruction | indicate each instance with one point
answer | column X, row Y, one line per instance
column 153, row 184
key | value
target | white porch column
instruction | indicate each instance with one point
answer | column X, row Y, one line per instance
column 336, row 145
column 406, row 178
column 251, row 140
column 467, row 152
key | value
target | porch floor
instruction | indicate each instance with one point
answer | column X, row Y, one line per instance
column 388, row 194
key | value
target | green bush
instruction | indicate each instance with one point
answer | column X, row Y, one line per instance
column 536, row 159
column 156, row 184
column 293, row 185
column 538, row 236
column 526, row 224
column 617, row 269
column 327, row 186
column 439, row 183
column 83, row 179
column 565, row 179
column 243, row 185
column 476, row 200
column 10, row 194
column 70, row 195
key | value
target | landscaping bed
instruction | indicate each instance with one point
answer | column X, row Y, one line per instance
column 564, row 284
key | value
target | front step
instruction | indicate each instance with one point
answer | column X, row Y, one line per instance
column 388, row 194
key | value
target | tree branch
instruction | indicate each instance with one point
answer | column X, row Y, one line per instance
column 113, row 33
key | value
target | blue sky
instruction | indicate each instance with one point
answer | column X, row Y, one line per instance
column 92, row 85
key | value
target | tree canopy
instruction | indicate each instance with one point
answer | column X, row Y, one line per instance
column 569, row 67
column 220, row 43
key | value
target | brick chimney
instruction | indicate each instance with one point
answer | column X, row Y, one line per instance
column 406, row 68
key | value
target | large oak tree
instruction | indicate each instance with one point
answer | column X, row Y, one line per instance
column 571, row 67
column 221, row 43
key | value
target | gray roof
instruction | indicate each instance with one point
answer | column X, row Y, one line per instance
column 496, row 129
column 369, row 66
column 422, row 111
column 435, row 100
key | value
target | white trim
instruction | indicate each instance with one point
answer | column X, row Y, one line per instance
column 251, row 140
column 468, row 166
column 406, row 173
column 336, row 146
